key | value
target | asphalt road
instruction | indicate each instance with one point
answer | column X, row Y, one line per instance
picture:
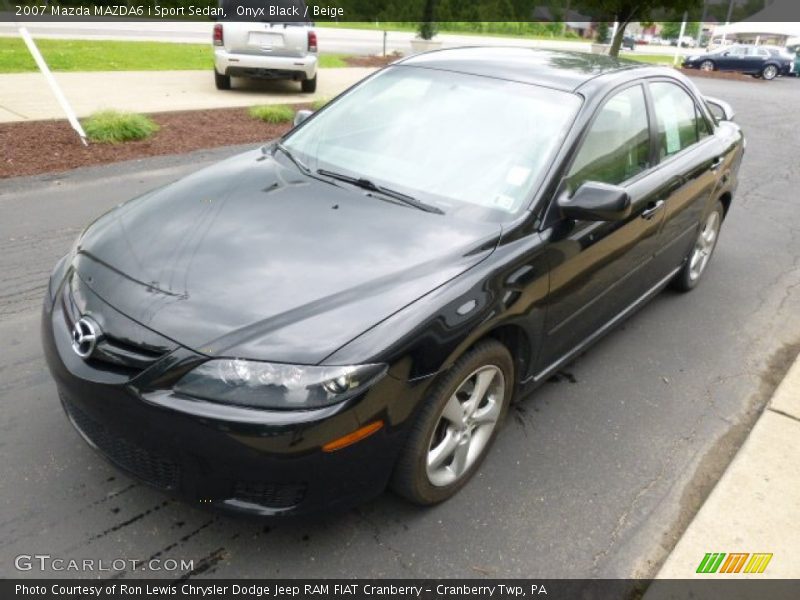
column 331, row 39
column 594, row 475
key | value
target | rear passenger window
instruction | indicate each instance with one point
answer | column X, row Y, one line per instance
column 617, row 146
column 680, row 124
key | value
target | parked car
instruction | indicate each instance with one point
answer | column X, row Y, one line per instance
column 752, row 60
column 265, row 47
column 629, row 42
column 686, row 41
column 794, row 50
column 358, row 302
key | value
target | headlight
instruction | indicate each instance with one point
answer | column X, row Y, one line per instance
column 57, row 276
column 275, row 385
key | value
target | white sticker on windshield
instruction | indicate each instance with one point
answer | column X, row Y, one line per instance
column 517, row 175
column 503, row 201
column 671, row 128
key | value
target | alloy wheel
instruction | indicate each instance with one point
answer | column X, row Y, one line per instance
column 704, row 246
column 465, row 426
column 769, row 72
column 707, row 65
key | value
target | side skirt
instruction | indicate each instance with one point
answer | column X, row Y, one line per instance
column 538, row 378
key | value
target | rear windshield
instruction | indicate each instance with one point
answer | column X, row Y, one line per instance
column 265, row 11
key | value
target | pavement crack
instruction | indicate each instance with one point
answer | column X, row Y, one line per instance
column 377, row 536
column 777, row 411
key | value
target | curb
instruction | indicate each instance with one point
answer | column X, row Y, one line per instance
column 754, row 509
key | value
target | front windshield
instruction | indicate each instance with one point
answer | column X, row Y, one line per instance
column 463, row 143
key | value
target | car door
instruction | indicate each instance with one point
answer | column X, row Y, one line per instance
column 689, row 160
column 754, row 60
column 599, row 268
column 732, row 59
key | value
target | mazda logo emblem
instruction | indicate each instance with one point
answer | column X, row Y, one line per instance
column 84, row 337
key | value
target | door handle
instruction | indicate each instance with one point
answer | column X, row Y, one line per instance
column 650, row 212
column 717, row 163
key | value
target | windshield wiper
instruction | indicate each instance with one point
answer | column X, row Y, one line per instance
column 371, row 186
column 297, row 162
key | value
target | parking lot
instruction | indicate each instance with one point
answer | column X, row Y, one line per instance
column 595, row 474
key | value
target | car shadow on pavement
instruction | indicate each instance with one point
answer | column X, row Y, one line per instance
column 262, row 86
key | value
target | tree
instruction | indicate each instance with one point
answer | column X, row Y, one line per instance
column 601, row 35
column 427, row 27
column 626, row 11
column 670, row 30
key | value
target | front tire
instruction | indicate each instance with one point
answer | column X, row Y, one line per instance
column 707, row 65
column 309, row 86
column 696, row 262
column 223, row 82
column 456, row 426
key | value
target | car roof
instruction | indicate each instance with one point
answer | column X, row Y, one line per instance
column 557, row 69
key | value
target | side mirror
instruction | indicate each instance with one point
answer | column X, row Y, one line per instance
column 302, row 115
column 595, row 201
column 721, row 110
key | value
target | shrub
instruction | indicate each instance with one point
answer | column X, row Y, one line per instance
column 319, row 103
column 273, row 113
column 427, row 28
column 110, row 126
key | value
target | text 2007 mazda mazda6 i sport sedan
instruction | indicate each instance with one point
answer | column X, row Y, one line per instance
column 357, row 304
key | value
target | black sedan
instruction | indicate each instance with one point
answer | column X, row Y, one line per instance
column 758, row 61
column 357, row 303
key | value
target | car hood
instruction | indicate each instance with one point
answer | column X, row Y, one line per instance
column 250, row 258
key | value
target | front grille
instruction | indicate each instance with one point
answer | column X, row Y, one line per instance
column 123, row 356
column 273, row 495
column 111, row 353
column 151, row 468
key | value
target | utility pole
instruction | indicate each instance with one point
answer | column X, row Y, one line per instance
column 727, row 20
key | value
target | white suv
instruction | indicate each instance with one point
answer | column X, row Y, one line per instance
column 266, row 47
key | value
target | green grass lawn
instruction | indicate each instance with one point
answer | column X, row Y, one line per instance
column 657, row 59
column 490, row 29
column 88, row 55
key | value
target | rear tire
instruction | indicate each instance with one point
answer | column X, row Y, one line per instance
column 223, row 82
column 700, row 255
column 456, row 426
column 309, row 86
column 769, row 72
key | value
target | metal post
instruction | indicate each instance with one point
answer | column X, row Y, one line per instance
column 384, row 43
column 680, row 39
column 51, row 81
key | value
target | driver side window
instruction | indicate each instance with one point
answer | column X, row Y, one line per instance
column 617, row 146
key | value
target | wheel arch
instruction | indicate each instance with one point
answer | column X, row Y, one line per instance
column 516, row 340
column 726, row 198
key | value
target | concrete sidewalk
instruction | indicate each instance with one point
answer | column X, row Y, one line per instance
column 26, row 96
column 755, row 506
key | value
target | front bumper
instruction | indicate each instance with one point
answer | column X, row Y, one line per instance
column 272, row 467
column 265, row 67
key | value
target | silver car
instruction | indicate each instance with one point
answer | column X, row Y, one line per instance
column 265, row 46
